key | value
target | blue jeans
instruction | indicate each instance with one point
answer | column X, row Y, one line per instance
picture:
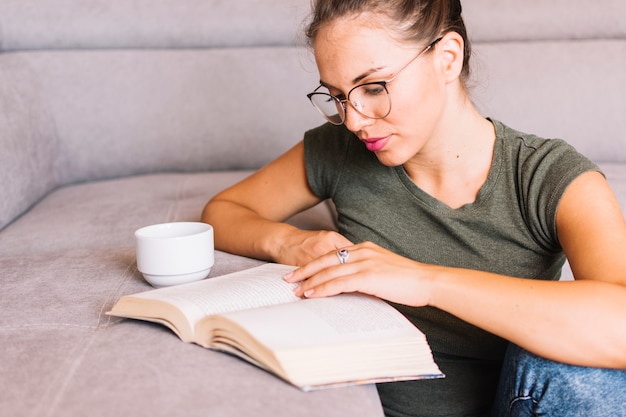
column 533, row 386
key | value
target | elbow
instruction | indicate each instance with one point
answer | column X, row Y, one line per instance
column 206, row 213
column 211, row 210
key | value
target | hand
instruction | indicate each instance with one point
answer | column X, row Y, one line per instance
column 305, row 246
column 370, row 269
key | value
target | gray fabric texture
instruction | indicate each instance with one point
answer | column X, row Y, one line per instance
column 116, row 24
column 63, row 266
column 558, row 90
column 116, row 114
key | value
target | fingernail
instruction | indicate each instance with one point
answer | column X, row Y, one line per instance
column 308, row 293
column 288, row 275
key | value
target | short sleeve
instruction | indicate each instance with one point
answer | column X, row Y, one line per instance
column 325, row 151
column 546, row 170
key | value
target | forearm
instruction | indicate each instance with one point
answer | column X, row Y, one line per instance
column 580, row 322
column 241, row 231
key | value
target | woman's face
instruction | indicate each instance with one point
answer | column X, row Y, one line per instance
column 356, row 50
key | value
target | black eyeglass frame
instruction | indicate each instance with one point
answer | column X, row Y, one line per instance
column 343, row 103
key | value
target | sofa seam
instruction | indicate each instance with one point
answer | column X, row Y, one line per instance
column 68, row 376
column 48, row 326
column 105, row 320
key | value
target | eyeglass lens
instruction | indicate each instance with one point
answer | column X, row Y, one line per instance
column 330, row 107
column 371, row 100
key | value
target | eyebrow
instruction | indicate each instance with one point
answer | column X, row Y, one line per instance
column 366, row 74
column 358, row 79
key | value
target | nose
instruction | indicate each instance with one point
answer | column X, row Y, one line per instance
column 355, row 121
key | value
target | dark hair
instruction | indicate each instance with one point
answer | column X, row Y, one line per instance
column 421, row 21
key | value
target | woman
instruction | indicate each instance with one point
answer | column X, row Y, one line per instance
column 445, row 214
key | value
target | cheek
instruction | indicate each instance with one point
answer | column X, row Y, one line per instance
column 419, row 103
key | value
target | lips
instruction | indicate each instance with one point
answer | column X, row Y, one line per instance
column 375, row 144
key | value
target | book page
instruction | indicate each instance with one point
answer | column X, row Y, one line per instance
column 343, row 319
column 345, row 339
column 250, row 288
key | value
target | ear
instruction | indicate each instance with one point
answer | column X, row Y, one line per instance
column 450, row 54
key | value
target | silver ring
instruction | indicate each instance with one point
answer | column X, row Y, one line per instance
column 343, row 255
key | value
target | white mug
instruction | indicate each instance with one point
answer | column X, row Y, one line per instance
column 175, row 253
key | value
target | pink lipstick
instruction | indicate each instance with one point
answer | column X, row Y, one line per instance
column 376, row 144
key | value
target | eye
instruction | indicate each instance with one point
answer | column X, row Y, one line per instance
column 375, row 89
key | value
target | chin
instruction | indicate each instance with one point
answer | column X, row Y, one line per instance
column 389, row 159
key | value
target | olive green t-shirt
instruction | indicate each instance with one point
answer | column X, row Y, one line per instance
column 510, row 229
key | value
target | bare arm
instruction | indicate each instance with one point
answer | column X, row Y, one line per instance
column 581, row 322
column 248, row 217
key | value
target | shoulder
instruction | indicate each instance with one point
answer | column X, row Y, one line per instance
column 334, row 146
column 334, row 155
column 529, row 145
column 536, row 158
column 539, row 171
column 592, row 230
column 327, row 138
column 325, row 151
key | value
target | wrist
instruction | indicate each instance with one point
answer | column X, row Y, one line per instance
column 437, row 277
column 276, row 241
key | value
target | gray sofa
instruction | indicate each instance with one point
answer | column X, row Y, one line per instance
column 116, row 114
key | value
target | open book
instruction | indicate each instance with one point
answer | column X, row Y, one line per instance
column 311, row 343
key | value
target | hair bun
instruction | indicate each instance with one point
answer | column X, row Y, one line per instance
column 456, row 8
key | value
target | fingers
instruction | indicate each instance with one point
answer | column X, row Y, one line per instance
column 315, row 266
column 311, row 245
column 370, row 269
column 330, row 281
column 327, row 275
column 328, row 287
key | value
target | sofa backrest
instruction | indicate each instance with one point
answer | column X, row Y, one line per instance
column 94, row 89
column 554, row 68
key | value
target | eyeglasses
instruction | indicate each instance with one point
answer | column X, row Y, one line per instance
column 371, row 100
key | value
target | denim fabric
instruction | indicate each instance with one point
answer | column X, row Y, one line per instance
column 533, row 386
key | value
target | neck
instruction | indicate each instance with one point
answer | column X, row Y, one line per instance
column 456, row 162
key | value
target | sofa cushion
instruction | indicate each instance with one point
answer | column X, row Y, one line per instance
column 539, row 20
column 75, row 116
column 64, row 264
column 98, row 24
column 103, row 215
column 29, row 146
column 124, row 113
column 557, row 90
column 118, row 24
